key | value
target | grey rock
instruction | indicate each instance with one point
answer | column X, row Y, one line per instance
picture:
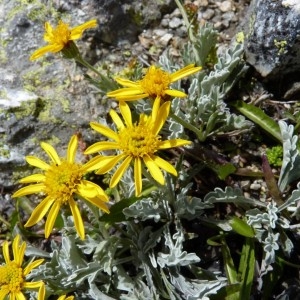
column 48, row 99
column 272, row 37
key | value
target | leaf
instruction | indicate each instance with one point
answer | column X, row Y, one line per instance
column 271, row 181
column 224, row 170
column 247, row 268
column 256, row 115
column 290, row 153
column 241, row 227
column 116, row 211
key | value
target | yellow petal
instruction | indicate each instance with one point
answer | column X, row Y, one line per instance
column 130, row 91
column 36, row 162
column 155, row 108
column 77, row 218
column 104, row 130
column 33, row 178
column 108, row 162
column 28, row 190
column 42, row 51
column 48, row 28
column 39, row 212
column 138, row 176
column 17, row 295
column 161, row 117
column 116, row 119
column 163, row 164
column 127, row 94
column 51, row 218
column 93, row 164
column 32, row 266
column 102, row 146
column 42, row 291
column 99, row 203
column 72, row 148
column 35, row 285
column 119, row 172
column 86, row 192
column 19, row 251
column 51, row 153
column 100, row 191
column 173, row 143
column 3, row 293
column 5, row 250
column 88, row 189
column 154, row 170
column 176, row 93
column 128, row 83
column 77, row 31
column 126, row 113
column 186, row 71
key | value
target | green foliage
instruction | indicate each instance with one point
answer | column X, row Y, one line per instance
column 274, row 155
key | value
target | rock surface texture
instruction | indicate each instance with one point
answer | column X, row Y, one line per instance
column 49, row 99
column 272, row 37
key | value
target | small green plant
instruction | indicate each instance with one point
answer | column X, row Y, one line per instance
column 274, row 155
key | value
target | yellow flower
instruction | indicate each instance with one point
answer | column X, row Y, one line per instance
column 64, row 297
column 156, row 83
column 60, row 182
column 137, row 142
column 59, row 37
column 13, row 275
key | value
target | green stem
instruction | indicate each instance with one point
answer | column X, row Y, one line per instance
column 83, row 62
column 5, row 222
column 188, row 126
column 189, row 29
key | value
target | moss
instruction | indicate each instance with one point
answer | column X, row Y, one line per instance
column 26, row 109
column 281, row 46
column 240, row 37
column 4, row 152
column 136, row 17
column 21, row 172
column 65, row 103
column 275, row 155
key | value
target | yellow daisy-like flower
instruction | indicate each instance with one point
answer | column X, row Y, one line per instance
column 156, row 83
column 13, row 275
column 64, row 297
column 60, row 182
column 59, row 37
column 137, row 142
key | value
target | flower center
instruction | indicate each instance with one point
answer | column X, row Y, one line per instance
column 156, row 82
column 59, row 35
column 139, row 140
column 11, row 277
column 62, row 180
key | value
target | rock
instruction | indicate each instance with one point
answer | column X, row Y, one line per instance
column 49, row 99
column 225, row 6
column 272, row 37
column 175, row 22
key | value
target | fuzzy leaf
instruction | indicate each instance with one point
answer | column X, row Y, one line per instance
column 290, row 153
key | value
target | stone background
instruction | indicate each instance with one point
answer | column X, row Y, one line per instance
column 49, row 99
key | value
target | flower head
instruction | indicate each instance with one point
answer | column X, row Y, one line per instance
column 59, row 37
column 136, row 142
column 61, row 181
column 155, row 84
column 13, row 275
